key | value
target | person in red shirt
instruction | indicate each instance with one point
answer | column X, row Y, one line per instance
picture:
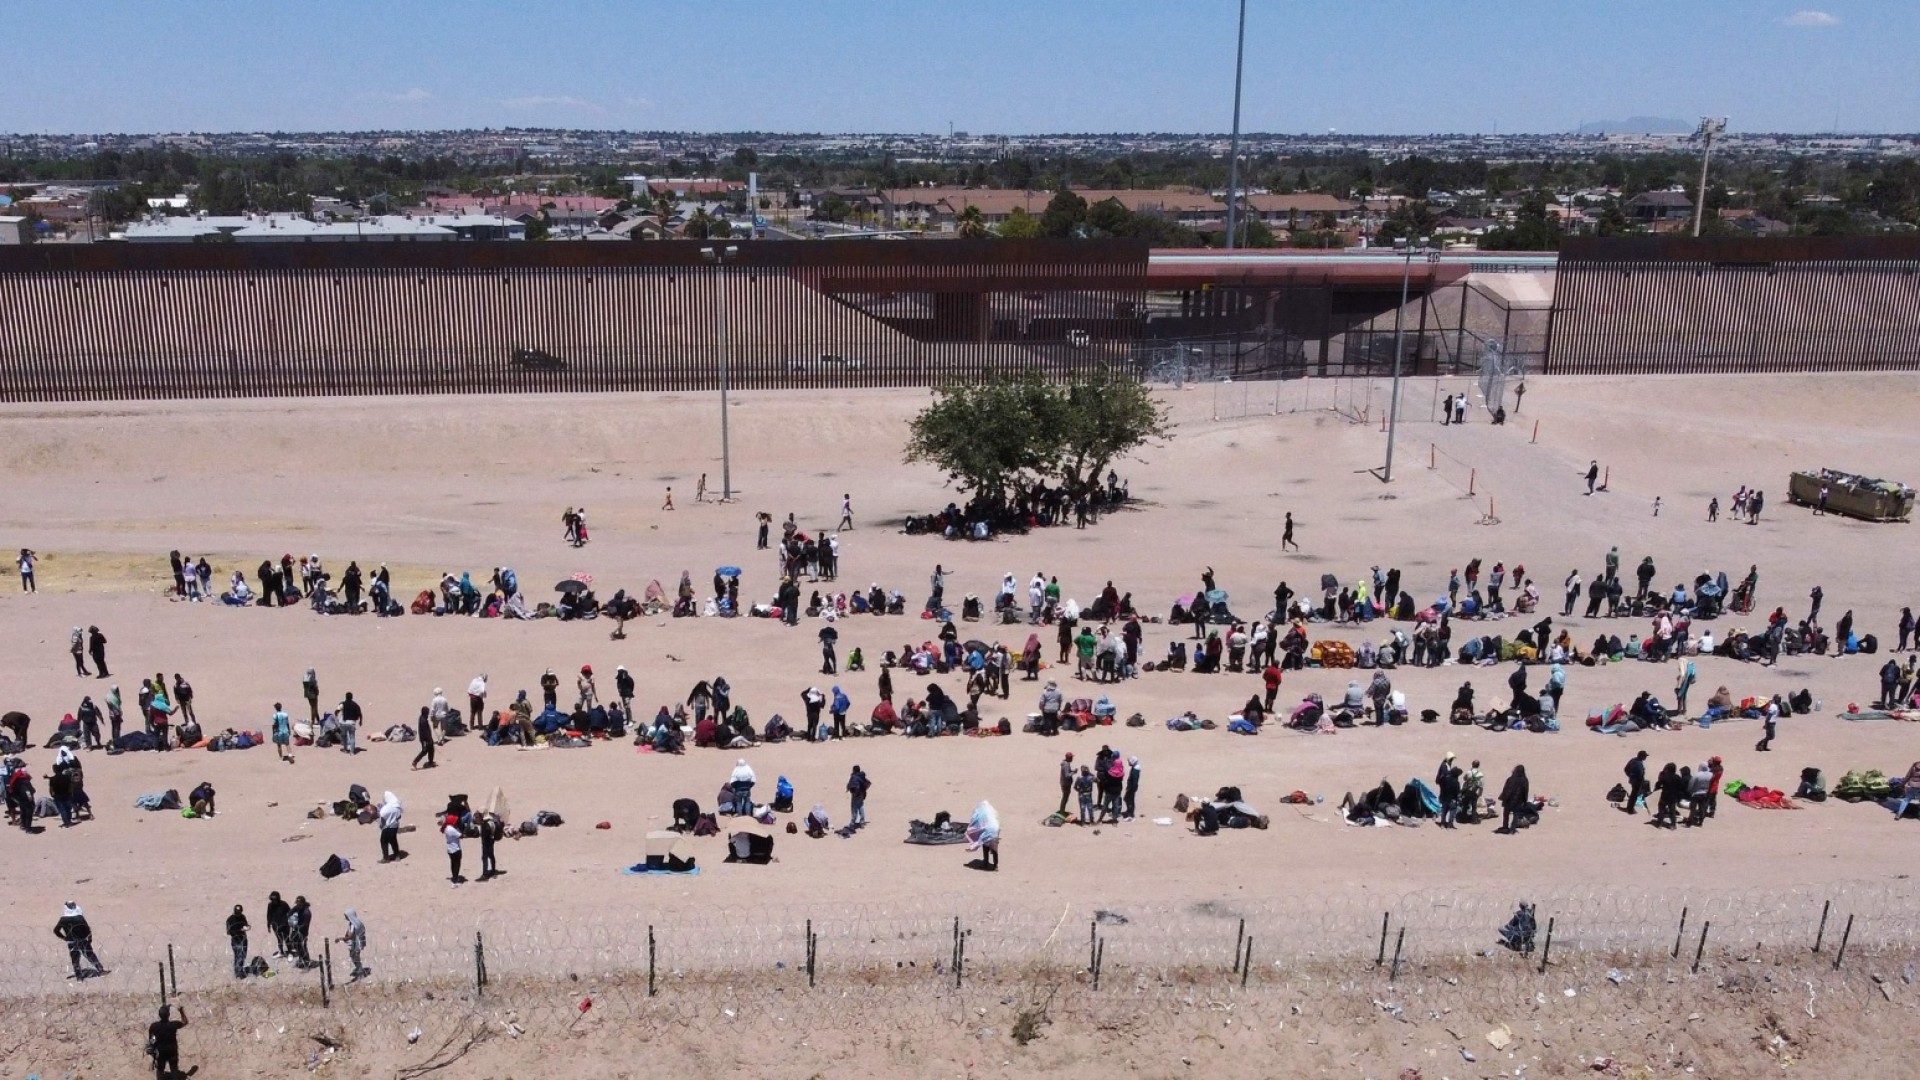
column 1272, row 677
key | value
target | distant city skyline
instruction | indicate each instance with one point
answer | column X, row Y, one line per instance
column 990, row 66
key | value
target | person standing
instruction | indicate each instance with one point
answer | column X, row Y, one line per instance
column 299, row 925
column 1514, row 797
column 27, row 583
column 700, row 490
column 1271, row 676
column 89, row 716
column 77, row 645
column 1447, row 782
column 1906, row 628
column 829, row 665
column 1573, row 592
column 1066, row 781
column 183, row 698
column 97, row 648
column 857, row 787
column 355, row 939
column 1713, row 509
column 1754, row 502
column 424, row 729
column 72, row 928
column 350, row 716
column 846, row 512
column 837, row 708
column 623, row 686
column 765, row 520
column 450, row 830
column 116, row 714
column 1889, row 684
column 1446, row 410
column 389, row 814
column 282, row 733
column 310, row 687
column 1820, row 508
column 477, row 701
column 277, row 924
column 237, row 938
column 1083, row 787
column 1133, row 787
column 1637, row 787
column 1593, row 474
column 163, row 1043
column 491, row 830
column 1286, row 534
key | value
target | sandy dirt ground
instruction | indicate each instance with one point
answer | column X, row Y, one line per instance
column 433, row 484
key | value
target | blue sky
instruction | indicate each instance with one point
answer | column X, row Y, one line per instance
column 1002, row 66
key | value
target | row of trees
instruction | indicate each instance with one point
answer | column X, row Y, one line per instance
column 1000, row 436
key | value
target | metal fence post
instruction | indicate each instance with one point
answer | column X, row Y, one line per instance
column 1398, row 942
column 163, row 981
column 1246, row 964
column 1546, row 951
column 650, row 989
column 1386, row 917
column 1239, row 942
column 173, row 976
column 1702, row 949
column 1681, row 934
column 479, row 965
column 1820, row 935
column 1844, row 935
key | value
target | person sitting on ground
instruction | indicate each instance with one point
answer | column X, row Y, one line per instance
column 817, row 824
column 201, row 800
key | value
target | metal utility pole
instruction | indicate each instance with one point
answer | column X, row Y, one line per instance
column 1709, row 128
column 1393, row 405
column 719, row 259
column 1233, row 145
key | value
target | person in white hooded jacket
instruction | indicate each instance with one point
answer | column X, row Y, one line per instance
column 389, row 813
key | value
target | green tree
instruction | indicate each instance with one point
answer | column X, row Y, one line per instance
column 1066, row 212
column 699, row 226
column 972, row 224
column 1107, row 414
column 1532, row 229
column 831, row 207
column 1001, row 434
column 1019, row 225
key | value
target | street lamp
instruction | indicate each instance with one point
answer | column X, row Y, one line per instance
column 1709, row 129
column 718, row 259
column 1399, row 314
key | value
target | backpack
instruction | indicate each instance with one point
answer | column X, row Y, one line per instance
column 547, row 819
column 334, row 867
column 1005, row 726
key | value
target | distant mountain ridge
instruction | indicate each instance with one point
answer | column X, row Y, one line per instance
column 1636, row 125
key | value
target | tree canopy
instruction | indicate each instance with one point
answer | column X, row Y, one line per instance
column 1001, row 435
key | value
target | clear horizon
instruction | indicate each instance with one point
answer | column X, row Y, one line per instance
column 993, row 67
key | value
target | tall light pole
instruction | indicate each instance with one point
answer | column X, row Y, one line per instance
column 1399, row 313
column 1709, row 129
column 719, row 259
column 1233, row 144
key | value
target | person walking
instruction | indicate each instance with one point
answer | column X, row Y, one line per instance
column 163, row 1043
column 424, row 729
column 277, row 924
column 450, row 830
column 1637, row 787
column 97, row 648
column 857, row 787
column 282, row 733
column 237, row 938
column 389, row 815
column 668, row 505
column 73, row 929
column 355, row 939
column 846, row 513
column 1515, row 795
column 27, row 582
column 1770, row 725
column 1286, row 534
